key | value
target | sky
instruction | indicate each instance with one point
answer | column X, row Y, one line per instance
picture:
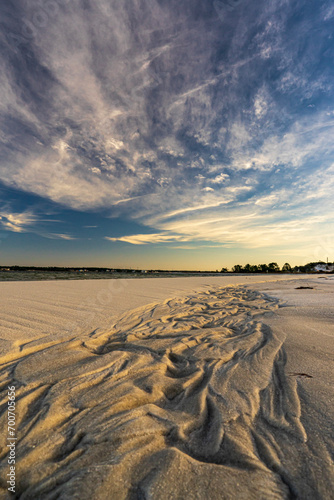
column 166, row 134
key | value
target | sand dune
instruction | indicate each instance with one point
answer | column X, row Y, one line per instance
column 187, row 398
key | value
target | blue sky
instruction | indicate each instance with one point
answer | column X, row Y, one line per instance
column 153, row 133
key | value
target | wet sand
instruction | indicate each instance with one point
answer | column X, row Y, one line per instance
column 170, row 388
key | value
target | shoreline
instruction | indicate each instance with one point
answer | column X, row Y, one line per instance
column 37, row 276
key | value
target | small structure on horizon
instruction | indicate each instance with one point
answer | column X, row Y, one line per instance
column 324, row 268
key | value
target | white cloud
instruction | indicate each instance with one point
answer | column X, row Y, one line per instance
column 301, row 143
column 144, row 239
column 17, row 222
column 239, row 136
column 329, row 13
column 250, row 232
column 188, row 209
column 220, row 179
column 59, row 236
column 260, row 104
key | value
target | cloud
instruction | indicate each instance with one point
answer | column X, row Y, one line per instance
column 30, row 221
column 253, row 230
column 171, row 115
column 256, row 232
column 17, row 222
column 220, row 179
column 58, row 236
column 144, row 239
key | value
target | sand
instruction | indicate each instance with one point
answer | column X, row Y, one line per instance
column 195, row 388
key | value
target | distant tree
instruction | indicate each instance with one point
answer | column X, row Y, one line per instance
column 224, row 270
column 248, row 268
column 263, row 268
column 309, row 267
column 286, row 268
column 273, row 267
column 237, row 269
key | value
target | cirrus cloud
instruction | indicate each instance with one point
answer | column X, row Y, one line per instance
column 169, row 115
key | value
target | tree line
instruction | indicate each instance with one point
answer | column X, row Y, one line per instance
column 273, row 267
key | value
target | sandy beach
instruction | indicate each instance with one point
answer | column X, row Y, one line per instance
column 171, row 388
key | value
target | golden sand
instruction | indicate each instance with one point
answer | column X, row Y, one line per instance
column 187, row 398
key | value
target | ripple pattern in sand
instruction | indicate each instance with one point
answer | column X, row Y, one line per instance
column 184, row 399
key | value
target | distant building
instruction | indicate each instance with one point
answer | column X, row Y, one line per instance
column 324, row 268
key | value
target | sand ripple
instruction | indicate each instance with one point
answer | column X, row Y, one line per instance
column 187, row 399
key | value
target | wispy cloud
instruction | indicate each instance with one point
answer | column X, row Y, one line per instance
column 173, row 116
column 144, row 239
column 17, row 222
column 58, row 236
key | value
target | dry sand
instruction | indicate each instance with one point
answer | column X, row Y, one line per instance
column 181, row 388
